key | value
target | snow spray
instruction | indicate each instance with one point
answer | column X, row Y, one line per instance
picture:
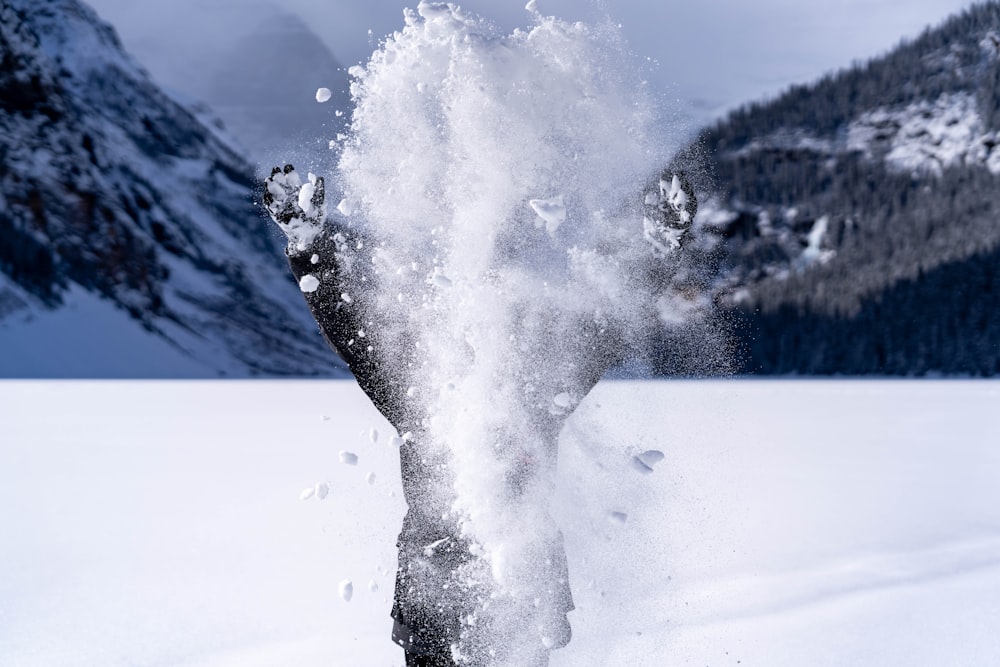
column 497, row 183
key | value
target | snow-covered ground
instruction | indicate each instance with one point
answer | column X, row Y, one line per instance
column 790, row 523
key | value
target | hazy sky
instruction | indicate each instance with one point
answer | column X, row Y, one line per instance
column 712, row 54
column 716, row 53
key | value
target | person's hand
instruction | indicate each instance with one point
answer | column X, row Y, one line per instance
column 298, row 208
column 669, row 212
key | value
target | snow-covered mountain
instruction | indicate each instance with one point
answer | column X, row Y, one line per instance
column 860, row 216
column 130, row 242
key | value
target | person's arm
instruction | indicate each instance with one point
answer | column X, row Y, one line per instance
column 327, row 262
column 299, row 209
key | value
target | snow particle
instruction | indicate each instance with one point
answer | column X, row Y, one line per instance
column 323, row 95
column 373, row 435
column 618, row 517
column 346, row 590
column 314, row 259
column 307, row 493
column 309, row 283
column 372, row 586
column 349, row 458
column 563, row 400
column 370, row 478
column 305, row 196
column 551, row 211
column 322, row 489
column 645, row 461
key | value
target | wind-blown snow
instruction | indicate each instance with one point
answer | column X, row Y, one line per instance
column 790, row 523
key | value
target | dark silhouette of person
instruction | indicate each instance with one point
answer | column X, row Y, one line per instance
column 333, row 266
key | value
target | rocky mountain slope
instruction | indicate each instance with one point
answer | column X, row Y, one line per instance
column 859, row 217
column 112, row 194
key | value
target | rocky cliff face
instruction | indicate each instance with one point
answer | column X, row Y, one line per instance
column 111, row 189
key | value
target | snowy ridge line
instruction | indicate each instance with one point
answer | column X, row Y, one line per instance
column 754, row 596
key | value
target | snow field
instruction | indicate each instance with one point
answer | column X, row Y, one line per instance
column 159, row 523
column 788, row 523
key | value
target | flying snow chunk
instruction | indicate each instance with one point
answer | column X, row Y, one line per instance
column 345, row 208
column 373, row 435
column 349, row 458
column 323, row 95
column 532, row 6
column 370, row 478
column 563, row 400
column 651, row 457
column 618, row 517
column 373, row 586
column 307, row 493
column 442, row 280
column 305, row 195
column 676, row 197
column 309, row 283
column 322, row 490
column 346, row 590
column 645, row 461
column 551, row 211
column 431, row 11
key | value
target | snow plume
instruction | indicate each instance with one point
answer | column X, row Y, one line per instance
column 501, row 180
